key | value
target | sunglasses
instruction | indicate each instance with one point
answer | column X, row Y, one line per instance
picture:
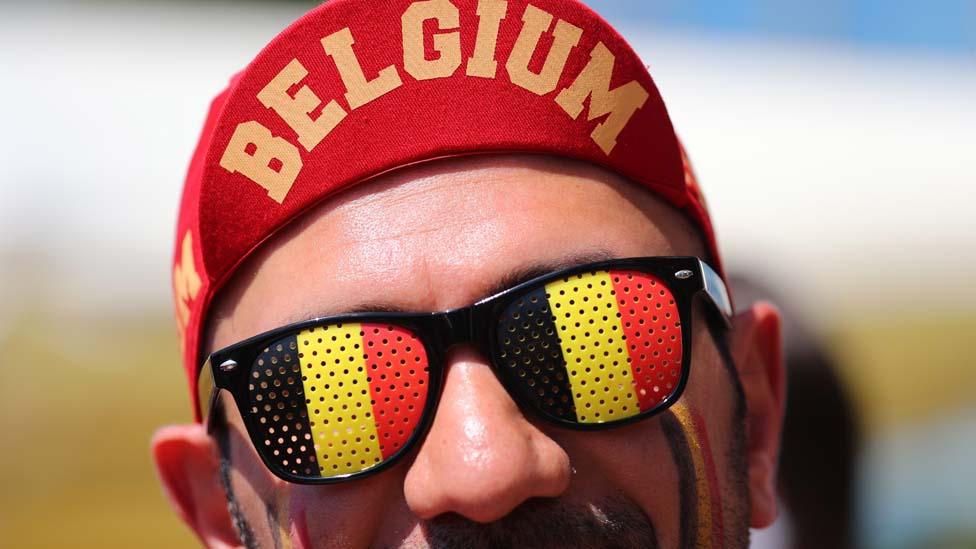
column 590, row 347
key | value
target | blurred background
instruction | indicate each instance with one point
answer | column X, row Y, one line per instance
column 835, row 139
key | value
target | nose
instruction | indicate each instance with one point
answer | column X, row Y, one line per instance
column 481, row 458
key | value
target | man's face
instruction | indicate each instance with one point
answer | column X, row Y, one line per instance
column 443, row 236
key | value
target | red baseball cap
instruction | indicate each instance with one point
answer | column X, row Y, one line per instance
column 357, row 88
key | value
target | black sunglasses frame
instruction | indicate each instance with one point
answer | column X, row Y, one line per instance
column 687, row 277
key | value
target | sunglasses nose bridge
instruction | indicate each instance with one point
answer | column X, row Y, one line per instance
column 457, row 324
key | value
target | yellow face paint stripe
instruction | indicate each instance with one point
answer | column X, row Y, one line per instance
column 339, row 408
column 283, row 540
column 709, row 508
column 593, row 346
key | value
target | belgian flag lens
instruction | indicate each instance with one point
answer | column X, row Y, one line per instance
column 338, row 399
column 595, row 347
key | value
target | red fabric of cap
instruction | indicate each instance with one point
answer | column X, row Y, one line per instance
column 356, row 88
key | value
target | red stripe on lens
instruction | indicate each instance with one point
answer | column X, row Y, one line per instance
column 396, row 364
column 649, row 317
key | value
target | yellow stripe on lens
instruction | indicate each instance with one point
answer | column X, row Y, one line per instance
column 338, row 399
column 593, row 346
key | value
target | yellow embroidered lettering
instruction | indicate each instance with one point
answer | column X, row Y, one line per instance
column 359, row 91
column 490, row 15
column 295, row 110
column 447, row 44
column 269, row 161
column 186, row 285
column 620, row 103
column 566, row 36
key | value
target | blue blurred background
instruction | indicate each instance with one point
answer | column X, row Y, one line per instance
column 941, row 26
column 835, row 139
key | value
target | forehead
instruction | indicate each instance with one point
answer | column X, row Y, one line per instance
column 441, row 235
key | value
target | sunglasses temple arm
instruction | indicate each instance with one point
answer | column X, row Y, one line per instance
column 717, row 291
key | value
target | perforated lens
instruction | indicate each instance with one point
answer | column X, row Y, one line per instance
column 594, row 348
column 338, row 399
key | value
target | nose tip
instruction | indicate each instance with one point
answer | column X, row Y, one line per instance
column 481, row 458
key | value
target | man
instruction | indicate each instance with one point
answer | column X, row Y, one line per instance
column 423, row 301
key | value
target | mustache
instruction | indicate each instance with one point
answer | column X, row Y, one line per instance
column 548, row 523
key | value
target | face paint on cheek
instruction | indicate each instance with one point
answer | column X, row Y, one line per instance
column 277, row 517
column 702, row 524
column 300, row 530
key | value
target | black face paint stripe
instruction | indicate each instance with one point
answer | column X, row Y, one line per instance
column 271, row 513
column 532, row 357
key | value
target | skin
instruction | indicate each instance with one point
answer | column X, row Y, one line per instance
column 444, row 235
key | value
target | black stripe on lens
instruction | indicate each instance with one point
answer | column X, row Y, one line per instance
column 532, row 357
column 277, row 403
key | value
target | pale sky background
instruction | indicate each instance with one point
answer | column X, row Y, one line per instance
column 843, row 172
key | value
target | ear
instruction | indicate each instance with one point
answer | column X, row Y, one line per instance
column 188, row 466
column 757, row 350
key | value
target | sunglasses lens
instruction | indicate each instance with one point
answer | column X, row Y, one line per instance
column 337, row 399
column 594, row 348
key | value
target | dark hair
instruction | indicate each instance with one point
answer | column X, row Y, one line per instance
column 222, row 435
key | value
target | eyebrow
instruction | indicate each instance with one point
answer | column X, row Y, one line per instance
column 508, row 280
column 518, row 276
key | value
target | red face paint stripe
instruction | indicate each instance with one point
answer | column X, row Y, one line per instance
column 710, row 527
column 396, row 364
column 300, row 529
column 649, row 317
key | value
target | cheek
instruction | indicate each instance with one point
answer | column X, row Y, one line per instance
column 346, row 515
column 672, row 466
column 710, row 398
column 260, row 497
column 709, row 385
column 634, row 461
column 342, row 515
column 704, row 417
